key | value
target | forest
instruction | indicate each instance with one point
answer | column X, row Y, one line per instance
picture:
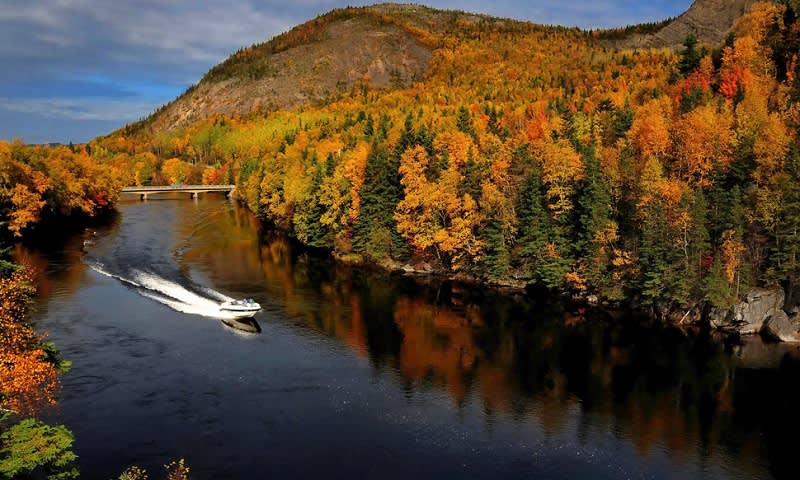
column 527, row 156
column 649, row 174
column 39, row 184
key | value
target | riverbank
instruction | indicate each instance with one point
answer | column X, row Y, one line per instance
column 760, row 311
column 442, row 374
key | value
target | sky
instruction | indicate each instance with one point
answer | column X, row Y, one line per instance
column 75, row 69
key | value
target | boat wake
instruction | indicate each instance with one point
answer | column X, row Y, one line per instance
column 198, row 300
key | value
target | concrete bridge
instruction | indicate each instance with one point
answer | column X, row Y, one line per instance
column 192, row 190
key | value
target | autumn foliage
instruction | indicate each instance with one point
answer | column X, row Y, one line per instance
column 29, row 377
column 528, row 155
column 37, row 181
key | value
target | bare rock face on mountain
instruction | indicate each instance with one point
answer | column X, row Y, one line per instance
column 382, row 46
column 317, row 66
column 709, row 20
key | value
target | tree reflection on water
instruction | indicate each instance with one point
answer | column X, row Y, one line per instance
column 533, row 360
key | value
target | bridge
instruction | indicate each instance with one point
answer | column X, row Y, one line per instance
column 192, row 190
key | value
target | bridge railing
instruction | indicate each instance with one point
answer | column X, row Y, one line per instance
column 179, row 188
column 193, row 190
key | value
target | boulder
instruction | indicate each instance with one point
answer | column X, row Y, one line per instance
column 779, row 326
column 792, row 304
column 720, row 318
column 759, row 304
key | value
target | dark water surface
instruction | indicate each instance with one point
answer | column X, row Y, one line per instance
column 359, row 374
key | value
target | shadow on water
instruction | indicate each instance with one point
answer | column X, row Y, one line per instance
column 489, row 368
column 685, row 393
column 246, row 325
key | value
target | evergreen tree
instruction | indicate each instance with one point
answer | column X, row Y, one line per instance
column 464, row 121
column 786, row 252
column 717, row 290
column 497, row 257
column 593, row 203
column 384, row 125
column 408, row 137
column 699, row 248
column 691, row 56
column 540, row 248
column 473, row 174
column 369, row 127
column 375, row 231
column 623, row 120
column 307, row 218
column 743, row 164
column 661, row 262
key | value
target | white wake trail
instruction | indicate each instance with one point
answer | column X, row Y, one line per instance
column 173, row 294
column 98, row 267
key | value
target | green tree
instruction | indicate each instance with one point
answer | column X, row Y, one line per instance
column 717, row 290
column 369, row 127
column 699, row 247
column 473, row 175
column 31, row 448
column 541, row 249
column 497, row 254
column 661, row 262
column 307, row 218
column 593, row 203
column 690, row 56
column 464, row 121
column 379, row 198
column 786, row 252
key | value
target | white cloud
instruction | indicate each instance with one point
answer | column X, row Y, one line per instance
column 117, row 110
column 145, row 50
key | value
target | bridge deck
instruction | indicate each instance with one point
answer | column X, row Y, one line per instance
column 193, row 190
column 179, row 188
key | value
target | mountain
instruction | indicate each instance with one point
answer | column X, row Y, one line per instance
column 382, row 46
column 709, row 20
column 509, row 152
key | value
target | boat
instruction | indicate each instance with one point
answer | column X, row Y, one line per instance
column 244, row 308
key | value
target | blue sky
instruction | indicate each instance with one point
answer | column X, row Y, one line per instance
column 75, row 69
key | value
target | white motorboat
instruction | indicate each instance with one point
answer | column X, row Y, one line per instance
column 240, row 308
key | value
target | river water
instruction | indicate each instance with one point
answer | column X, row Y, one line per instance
column 358, row 373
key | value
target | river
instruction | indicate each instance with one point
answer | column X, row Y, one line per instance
column 358, row 373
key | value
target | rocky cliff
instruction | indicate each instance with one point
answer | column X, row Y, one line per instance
column 709, row 20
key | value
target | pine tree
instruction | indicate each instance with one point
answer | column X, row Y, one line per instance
column 464, row 121
column 699, row 248
column 369, row 127
column 307, row 218
column 375, row 231
column 384, row 125
column 716, row 288
column 408, row 138
column 541, row 249
column 691, row 56
column 786, row 252
column 593, row 205
column 661, row 261
column 497, row 257
column 473, row 173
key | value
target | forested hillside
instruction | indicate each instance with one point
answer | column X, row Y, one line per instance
column 532, row 155
column 38, row 183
